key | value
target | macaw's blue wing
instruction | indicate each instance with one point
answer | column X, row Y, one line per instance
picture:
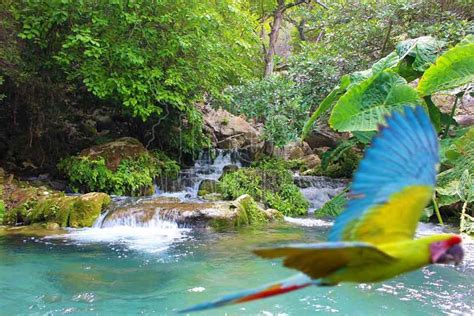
column 393, row 183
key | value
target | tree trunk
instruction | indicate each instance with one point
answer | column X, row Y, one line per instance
column 273, row 37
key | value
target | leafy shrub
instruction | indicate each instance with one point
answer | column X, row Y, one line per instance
column 341, row 162
column 274, row 101
column 269, row 183
column 132, row 177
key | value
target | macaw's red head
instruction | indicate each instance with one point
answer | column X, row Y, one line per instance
column 447, row 251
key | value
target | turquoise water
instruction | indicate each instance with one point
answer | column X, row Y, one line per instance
column 141, row 271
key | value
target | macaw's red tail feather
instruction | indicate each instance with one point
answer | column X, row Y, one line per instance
column 291, row 284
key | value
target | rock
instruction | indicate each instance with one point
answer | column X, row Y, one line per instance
column 228, row 169
column 113, row 152
column 464, row 114
column 324, row 136
column 293, row 151
column 208, row 186
column 311, row 161
column 212, row 197
column 52, row 226
column 320, row 151
column 219, row 215
column 26, row 204
column 228, row 131
column 87, row 209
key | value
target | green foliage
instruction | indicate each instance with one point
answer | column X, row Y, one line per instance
column 270, row 183
column 141, row 53
column 2, row 210
column 334, row 206
column 341, row 162
column 456, row 158
column 132, row 177
column 423, row 51
column 453, row 69
column 364, row 105
column 275, row 101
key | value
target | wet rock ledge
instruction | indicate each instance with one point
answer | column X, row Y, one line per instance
column 23, row 204
column 220, row 215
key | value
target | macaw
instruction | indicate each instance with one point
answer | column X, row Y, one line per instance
column 372, row 240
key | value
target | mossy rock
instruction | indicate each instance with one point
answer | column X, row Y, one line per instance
column 248, row 212
column 52, row 210
column 120, row 167
column 87, row 209
column 208, row 186
column 115, row 151
column 344, row 167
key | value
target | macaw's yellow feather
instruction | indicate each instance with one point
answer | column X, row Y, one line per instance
column 322, row 259
column 393, row 221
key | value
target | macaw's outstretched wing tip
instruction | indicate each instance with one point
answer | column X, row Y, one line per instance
column 401, row 162
column 293, row 283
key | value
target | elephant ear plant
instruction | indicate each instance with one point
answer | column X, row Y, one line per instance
column 361, row 100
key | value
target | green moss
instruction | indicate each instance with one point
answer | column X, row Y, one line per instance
column 52, row 210
column 268, row 182
column 87, row 208
column 2, row 210
column 132, row 177
column 253, row 213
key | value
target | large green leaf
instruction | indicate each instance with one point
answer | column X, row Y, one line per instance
column 363, row 106
column 389, row 61
column 323, row 107
column 423, row 49
column 453, row 69
column 346, row 82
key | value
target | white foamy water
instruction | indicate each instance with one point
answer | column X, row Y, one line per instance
column 205, row 167
column 153, row 236
column 307, row 221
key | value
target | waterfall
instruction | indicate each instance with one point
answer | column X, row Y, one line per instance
column 318, row 189
column 209, row 166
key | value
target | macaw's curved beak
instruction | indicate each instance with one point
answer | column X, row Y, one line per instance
column 453, row 254
column 456, row 254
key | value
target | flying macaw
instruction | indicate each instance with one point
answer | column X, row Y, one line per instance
column 372, row 240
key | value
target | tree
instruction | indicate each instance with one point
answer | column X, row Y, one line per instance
column 275, row 12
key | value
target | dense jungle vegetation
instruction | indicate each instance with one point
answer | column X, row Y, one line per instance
column 74, row 74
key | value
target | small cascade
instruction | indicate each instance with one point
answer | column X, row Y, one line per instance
column 135, row 230
column 318, row 189
column 209, row 166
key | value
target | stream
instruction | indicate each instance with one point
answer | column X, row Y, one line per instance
column 124, row 266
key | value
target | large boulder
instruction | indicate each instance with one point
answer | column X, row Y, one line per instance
column 219, row 215
column 228, row 131
column 324, row 136
column 208, row 186
column 113, row 152
column 27, row 204
column 292, row 151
